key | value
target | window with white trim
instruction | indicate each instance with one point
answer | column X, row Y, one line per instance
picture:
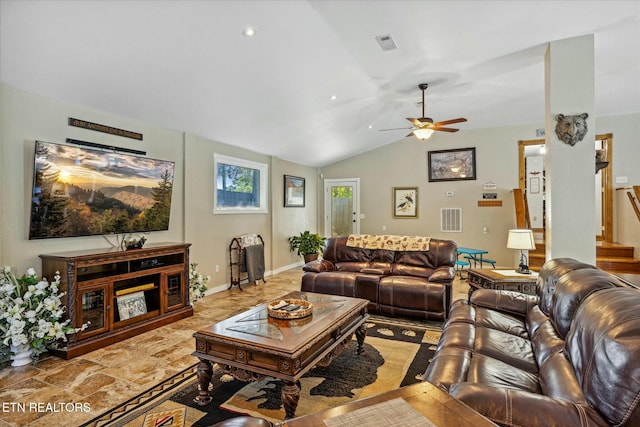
column 241, row 185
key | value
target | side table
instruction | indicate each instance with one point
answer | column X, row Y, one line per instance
column 502, row 279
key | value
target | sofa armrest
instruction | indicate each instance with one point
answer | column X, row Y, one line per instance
column 443, row 274
column 508, row 407
column 505, row 301
column 318, row 266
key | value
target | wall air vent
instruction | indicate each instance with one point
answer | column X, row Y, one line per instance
column 451, row 220
column 387, row 42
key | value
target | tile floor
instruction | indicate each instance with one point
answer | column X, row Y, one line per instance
column 88, row 385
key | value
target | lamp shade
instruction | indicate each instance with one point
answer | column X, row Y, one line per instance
column 521, row 239
column 423, row 133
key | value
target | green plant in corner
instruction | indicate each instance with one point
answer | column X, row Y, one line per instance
column 307, row 244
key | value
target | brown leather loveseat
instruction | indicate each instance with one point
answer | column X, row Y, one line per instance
column 412, row 283
column 569, row 356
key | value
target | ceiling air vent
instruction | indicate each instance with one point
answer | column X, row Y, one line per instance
column 451, row 220
column 387, row 42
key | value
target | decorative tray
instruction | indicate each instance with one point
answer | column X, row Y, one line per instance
column 290, row 309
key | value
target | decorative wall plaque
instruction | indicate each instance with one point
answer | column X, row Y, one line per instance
column 571, row 129
column 104, row 128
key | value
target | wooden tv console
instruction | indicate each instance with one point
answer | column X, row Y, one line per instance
column 120, row 293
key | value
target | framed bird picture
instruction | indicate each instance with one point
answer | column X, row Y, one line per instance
column 405, row 202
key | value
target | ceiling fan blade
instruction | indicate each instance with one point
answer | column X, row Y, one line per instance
column 444, row 129
column 411, row 134
column 417, row 123
column 380, row 130
column 449, row 122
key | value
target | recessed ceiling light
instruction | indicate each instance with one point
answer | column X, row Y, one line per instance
column 249, row 32
column 333, row 97
column 370, row 126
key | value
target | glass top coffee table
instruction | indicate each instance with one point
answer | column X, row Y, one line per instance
column 253, row 345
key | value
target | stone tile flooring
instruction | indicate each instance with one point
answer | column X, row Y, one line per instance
column 88, row 385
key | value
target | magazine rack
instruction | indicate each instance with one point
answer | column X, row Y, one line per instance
column 236, row 258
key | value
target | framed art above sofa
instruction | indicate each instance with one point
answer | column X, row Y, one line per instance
column 452, row 165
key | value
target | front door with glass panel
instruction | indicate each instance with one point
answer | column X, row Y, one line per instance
column 341, row 207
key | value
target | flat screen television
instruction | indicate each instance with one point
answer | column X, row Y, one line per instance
column 80, row 191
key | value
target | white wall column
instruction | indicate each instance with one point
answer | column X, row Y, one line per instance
column 570, row 184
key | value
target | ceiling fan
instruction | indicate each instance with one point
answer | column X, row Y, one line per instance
column 424, row 126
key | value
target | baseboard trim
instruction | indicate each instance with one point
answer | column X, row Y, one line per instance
column 225, row 286
column 288, row 267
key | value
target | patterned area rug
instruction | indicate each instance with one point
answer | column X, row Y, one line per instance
column 397, row 353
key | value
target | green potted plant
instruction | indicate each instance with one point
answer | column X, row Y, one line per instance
column 307, row 244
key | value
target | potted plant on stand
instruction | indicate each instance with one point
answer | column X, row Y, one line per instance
column 308, row 245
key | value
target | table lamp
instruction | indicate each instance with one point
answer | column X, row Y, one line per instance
column 523, row 240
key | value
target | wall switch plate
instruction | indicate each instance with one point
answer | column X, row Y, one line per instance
column 217, row 268
column 621, row 180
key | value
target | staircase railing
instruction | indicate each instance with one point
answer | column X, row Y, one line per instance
column 522, row 208
column 635, row 201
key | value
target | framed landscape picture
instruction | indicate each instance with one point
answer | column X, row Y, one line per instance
column 405, row 202
column 293, row 192
column 452, row 165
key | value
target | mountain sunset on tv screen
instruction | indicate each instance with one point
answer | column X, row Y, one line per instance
column 79, row 191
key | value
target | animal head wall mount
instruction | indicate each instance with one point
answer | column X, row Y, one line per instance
column 571, row 129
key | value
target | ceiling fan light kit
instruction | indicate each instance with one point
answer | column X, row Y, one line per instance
column 422, row 134
column 424, row 127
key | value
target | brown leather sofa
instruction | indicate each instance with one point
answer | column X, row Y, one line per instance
column 396, row 283
column 569, row 356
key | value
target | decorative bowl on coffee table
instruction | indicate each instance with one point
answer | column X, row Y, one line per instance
column 290, row 309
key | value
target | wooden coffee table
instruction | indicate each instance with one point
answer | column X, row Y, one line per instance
column 502, row 279
column 252, row 345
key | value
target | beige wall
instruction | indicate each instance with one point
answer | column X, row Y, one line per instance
column 26, row 117
column 2, row 165
column 404, row 164
column 626, row 156
column 291, row 221
column 211, row 234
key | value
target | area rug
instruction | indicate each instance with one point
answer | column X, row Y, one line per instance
column 396, row 354
column 173, row 418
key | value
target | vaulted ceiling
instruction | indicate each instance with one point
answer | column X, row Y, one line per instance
column 186, row 65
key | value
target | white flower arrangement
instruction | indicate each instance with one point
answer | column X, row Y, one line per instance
column 197, row 283
column 31, row 311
